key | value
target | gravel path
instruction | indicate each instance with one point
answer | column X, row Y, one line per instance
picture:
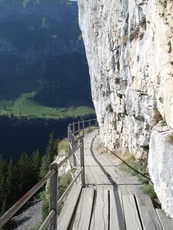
column 29, row 218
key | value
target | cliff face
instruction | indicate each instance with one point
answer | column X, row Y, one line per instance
column 129, row 47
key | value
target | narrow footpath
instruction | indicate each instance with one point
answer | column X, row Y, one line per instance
column 110, row 199
column 102, row 171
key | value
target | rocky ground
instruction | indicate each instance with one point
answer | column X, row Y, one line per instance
column 29, row 218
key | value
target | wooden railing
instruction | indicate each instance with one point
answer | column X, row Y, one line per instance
column 52, row 175
column 76, row 132
column 78, row 128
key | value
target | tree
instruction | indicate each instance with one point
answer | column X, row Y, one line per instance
column 3, row 174
column 25, row 173
column 11, row 184
column 51, row 151
column 36, row 163
column 44, row 166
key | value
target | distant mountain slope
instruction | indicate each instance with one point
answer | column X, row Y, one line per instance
column 41, row 51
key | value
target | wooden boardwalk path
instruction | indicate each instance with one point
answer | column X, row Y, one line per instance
column 110, row 200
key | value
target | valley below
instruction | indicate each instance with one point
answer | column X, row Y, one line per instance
column 44, row 77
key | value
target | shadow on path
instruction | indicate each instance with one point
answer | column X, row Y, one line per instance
column 115, row 188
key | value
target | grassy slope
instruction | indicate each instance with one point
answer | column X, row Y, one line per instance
column 25, row 106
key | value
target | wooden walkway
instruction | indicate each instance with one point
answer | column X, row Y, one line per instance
column 110, row 200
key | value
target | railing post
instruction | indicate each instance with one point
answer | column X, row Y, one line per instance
column 78, row 127
column 73, row 148
column 73, row 127
column 69, row 139
column 54, row 195
column 82, row 164
column 96, row 122
column 83, row 126
column 68, row 136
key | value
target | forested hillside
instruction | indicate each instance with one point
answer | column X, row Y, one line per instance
column 41, row 52
column 44, row 85
column 20, row 135
column 44, row 79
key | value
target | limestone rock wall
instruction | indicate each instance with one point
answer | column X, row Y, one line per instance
column 129, row 48
column 160, row 164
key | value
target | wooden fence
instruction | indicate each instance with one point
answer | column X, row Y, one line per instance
column 76, row 132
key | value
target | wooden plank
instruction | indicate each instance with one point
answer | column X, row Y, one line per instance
column 130, row 212
column 116, row 211
column 166, row 222
column 104, row 187
column 84, row 209
column 95, row 175
column 64, row 219
column 100, row 213
column 147, row 212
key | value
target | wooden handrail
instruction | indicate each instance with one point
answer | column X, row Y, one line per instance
column 47, row 220
column 72, row 126
column 9, row 213
column 94, row 119
column 53, row 176
column 69, row 187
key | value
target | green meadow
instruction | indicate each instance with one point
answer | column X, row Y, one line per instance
column 25, row 106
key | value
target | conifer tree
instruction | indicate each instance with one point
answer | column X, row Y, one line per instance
column 25, row 173
column 3, row 174
column 11, row 186
column 51, row 151
column 44, row 166
column 36, row 163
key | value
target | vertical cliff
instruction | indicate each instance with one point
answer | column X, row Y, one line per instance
column 129, row 48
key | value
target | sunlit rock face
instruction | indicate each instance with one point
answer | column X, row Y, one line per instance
column 129, row 47
column 160, row 166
